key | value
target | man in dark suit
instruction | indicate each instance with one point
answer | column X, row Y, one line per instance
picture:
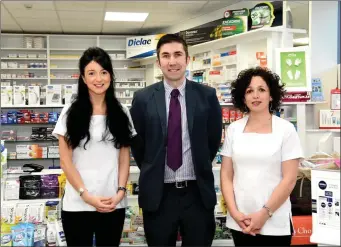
column 179, row 127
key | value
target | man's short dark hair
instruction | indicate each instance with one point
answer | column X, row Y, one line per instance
column 171, row 38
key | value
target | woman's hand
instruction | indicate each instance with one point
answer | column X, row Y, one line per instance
column 112, row 202
column 241, row 219
column 258, row 220
column 100, row 203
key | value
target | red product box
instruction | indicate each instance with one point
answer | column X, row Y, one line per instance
column 232, row 116
column 44, row 117
column 302, row 230
column 226, row 115
column 27, row 116
column 35, row 118
column 239, row 115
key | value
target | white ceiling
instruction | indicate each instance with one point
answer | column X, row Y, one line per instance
column 88, row 16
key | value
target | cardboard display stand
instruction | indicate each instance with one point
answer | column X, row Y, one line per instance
column 325, row 195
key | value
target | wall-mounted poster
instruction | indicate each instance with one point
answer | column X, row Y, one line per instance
column 293, row 66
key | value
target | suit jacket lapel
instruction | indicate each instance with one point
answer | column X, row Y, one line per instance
column 159, row 95
column 190, row 105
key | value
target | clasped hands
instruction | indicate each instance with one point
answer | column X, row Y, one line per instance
column 103, row 204
column 252, row 223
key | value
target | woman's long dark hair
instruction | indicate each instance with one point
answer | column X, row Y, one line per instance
column 80, row 111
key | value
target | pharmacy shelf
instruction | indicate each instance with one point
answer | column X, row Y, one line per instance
column 22, row 58
column 129, row 69
column 24, row 68
column 133, row 169
column 31, row 201
column 43, row 172
column 216, row 242
column 63, row 68
column 66, row 58
column 67, row 49
column 37, row 106
column 130, row 81
column 107, row 50
column 30, row 140
column 32, row 106
column 30, row 78
column 323, row 130
column 288, row 103
column 63, row 78
column 8, row 159
column 22, row 49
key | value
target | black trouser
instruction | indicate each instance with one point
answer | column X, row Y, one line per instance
column 180, row 209
column 79, row 227
column 241, row 239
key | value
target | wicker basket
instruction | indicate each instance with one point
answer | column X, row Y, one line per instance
column 319, row 163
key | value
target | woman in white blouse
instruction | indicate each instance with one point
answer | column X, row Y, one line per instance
column 94, row 133
column 261, row 154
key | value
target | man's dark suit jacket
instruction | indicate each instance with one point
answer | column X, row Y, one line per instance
column 204, row 118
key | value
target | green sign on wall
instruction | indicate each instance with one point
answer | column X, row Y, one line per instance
column 293, row 69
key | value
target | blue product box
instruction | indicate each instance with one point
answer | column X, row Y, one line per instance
column 12, row 117
column 3, row 118
column 53, row 117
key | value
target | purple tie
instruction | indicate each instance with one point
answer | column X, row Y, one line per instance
column 174, row 140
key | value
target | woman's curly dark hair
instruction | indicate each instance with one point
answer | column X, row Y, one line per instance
column 243, row 80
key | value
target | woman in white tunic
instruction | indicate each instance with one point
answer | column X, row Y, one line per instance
column 94, row 133
column 261, row 154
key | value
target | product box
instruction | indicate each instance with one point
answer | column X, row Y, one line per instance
column 33, row 95
column 9, row 135
column 329, row 119
column 11, row 117
column 53, row 152
column 19, row 95
column 226, row 115
column 335, row 99
column 302, row 230
column 6, row 95
column 239, row 115
column 233, row 116
column 35, row 117
column 43, row 117
column 4, row 118
column 12, row 189
column 70, row 92
column 38, row 153
column 53, row 94
column 53, row 117
column 23, row 116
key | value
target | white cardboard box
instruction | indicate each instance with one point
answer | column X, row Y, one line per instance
column 19, row 95
column 6, row 95
column 53, row 94
column 33, row 95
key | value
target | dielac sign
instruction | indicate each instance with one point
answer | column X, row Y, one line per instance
column 137, row 42
column 142, row 46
